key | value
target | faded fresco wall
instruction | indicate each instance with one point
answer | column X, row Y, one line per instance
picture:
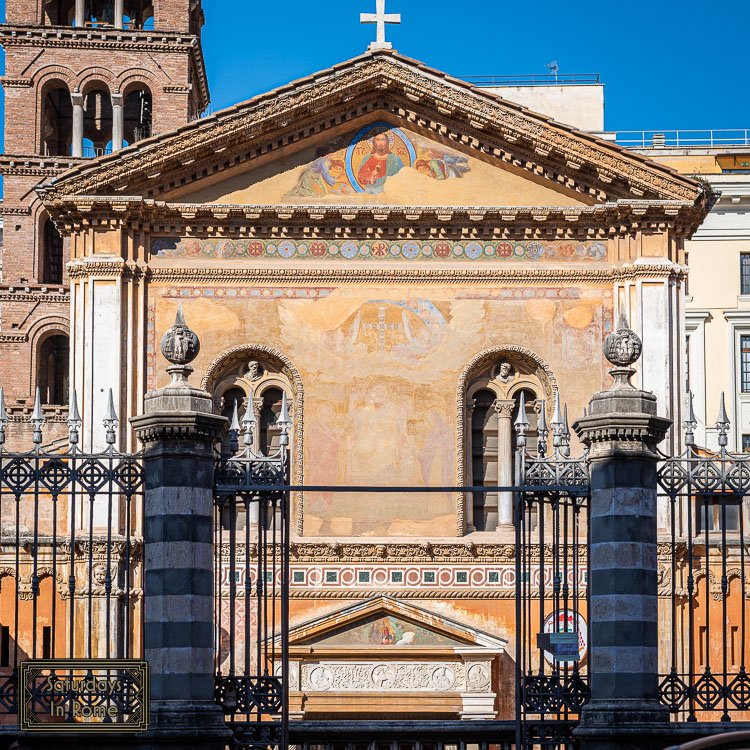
column 380, row 366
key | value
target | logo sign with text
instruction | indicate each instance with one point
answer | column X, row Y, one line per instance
column 564, row 637
column 84, row 695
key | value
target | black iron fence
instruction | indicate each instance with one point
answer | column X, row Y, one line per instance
column 703, row 579
column 551, row 522
column 252, row 584
column 70, row 551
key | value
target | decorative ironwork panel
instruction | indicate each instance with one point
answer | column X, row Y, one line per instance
column 252, row 586
column 703, row 578
column 70, row 549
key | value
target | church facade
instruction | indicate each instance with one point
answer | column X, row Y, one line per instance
column 404, row 256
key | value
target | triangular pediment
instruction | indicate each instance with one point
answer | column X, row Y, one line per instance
column 385, row 622
column 496, row 152
column 381, row 163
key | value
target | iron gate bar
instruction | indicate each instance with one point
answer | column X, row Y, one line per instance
column 231, row 489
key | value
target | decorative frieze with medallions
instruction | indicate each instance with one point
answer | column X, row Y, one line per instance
column 378, row 250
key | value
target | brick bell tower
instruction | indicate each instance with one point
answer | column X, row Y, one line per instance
column 83, row 78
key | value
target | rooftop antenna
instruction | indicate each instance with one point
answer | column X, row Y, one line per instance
column 554, row 68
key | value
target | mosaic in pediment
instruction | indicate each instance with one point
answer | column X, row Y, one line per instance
column 375, row 154
column 382, row 164
column 385, row 630
column 353, row 250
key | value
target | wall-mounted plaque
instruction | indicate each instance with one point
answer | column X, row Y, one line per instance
column 84, row 695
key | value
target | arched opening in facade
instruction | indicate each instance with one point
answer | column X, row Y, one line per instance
column 492, row 401
column 57, row 121
column 97, row 122
column 262, row 378
column 99, row 13
column 52, row 369
column 138, row 14
column 52, row 255
column 137, row 115
column 59, row 13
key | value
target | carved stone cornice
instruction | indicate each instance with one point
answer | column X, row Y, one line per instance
column 109, row 39
column 111, row 268
column 34, row 165
column 410, row 275
column 10, row 210
column 9, row 82
column 423, row 98
column 612, row 219
column 57, row 294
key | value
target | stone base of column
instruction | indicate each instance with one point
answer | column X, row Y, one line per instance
column 624, row 725
column 184, row 725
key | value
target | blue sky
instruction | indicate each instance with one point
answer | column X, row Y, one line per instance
column 666, row 63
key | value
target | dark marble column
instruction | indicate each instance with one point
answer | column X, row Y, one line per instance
column 178, row 430
column 621, row 432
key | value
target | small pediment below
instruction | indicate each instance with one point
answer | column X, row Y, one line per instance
column 384, row 630
column 381, row 164
column 384, row 622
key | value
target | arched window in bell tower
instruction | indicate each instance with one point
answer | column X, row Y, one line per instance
column 97, row 122
column 59, row 13
column 137, row 116
column 57, row 120
column 52, row 369
column 52, row 255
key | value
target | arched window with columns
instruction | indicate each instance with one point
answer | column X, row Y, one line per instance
column 261, row 378
column 492, row 390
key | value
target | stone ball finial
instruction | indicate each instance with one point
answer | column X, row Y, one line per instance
column 622, row 347
column 179, row 344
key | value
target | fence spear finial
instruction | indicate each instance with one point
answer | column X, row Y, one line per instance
column 234, row 430
column 565, row 448
column 690, row 422
column 37, row 418
column 522, row 422
column 74, row 419
column 722, row 423
column 542, row 429
column 110, row 419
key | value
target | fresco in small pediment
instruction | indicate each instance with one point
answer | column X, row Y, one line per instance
column 386, row 165
column 385, row 630
column 375, row 154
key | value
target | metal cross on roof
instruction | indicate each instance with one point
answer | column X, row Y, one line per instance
column 380, row 18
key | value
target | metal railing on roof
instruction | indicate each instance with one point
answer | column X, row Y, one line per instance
column 682, row 138
column 542, row 79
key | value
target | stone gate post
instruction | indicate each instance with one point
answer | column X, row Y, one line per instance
column 178, row 430
column 621, row 432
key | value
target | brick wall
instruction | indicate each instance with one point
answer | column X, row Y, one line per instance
column 30, row 311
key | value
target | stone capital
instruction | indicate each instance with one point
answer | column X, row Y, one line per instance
column 504, row 407
column 622, row 422
column 181, row 413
